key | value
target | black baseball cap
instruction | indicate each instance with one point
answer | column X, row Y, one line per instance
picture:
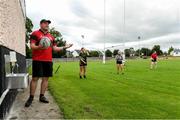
column 44, row 20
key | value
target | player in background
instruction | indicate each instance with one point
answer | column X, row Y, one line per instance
column 154, row 58
column 119, row 62
column 83, row 62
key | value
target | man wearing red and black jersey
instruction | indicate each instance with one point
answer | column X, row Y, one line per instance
column 42, row 60
column 154, row 57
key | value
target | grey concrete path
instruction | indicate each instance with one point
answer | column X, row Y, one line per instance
column 37, row 110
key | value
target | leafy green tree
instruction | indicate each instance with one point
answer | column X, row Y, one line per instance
column 115, row 52
column 146, row 51
column 127, row 52
column 137, row 52
column 28, row 52
column 170, row 50
column 108, row 53
column 157, row 48
column 94, row 53
column 59, row 41
column 29, row 27
column 165, row 53
column 132, row 51
column 55, row 33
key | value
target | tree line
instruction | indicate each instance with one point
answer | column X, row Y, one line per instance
column 130, row 52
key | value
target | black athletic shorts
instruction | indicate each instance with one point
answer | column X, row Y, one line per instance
column 42, row 69
column 154, row 60
column 82, row 64
column 118, row 62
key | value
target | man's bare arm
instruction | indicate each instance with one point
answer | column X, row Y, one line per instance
column 57, row 49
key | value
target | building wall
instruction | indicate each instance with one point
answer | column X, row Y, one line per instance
column 12, row 25
column 12, row 38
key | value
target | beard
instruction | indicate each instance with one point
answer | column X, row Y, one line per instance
column 45, row 29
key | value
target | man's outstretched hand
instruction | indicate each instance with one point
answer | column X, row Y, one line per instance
column 57, row 49
column 68, row 46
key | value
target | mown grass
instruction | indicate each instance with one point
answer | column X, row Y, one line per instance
column 139, row 93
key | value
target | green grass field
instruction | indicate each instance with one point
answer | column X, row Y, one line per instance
column 139, row 93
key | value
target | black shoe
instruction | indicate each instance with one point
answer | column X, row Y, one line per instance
column 28, row 102
column 84, row 76
column 80, row 77
column 43, row 99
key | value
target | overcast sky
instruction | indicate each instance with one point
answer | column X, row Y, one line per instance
column 155, row 21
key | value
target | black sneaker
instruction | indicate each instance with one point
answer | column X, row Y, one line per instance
column 80, row 77
column 43, row 99
column 28, row 102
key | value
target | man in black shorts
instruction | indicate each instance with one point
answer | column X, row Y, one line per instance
column 42, row 65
